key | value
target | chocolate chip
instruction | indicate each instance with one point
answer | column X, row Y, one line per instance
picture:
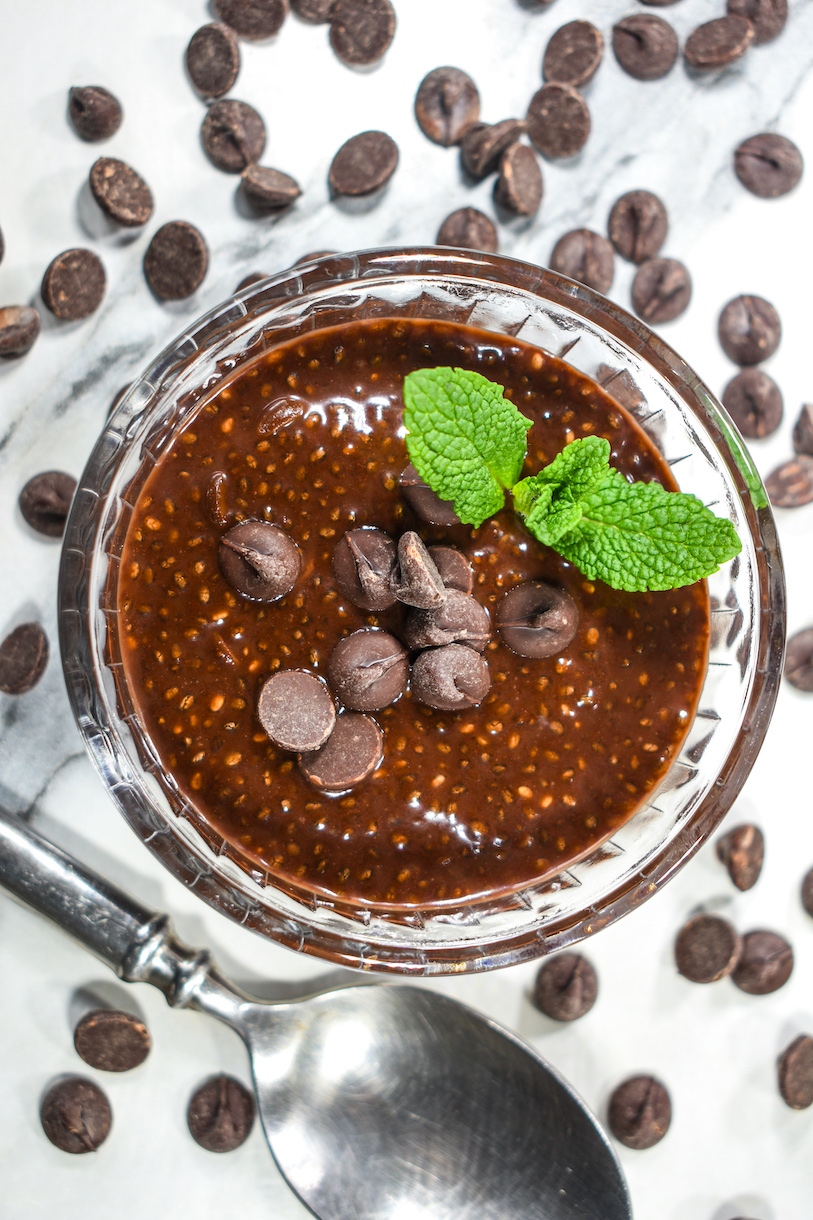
column 23, row 657
column 120, row 192
column 446, row 105
column 363, row 565
column 645, row 46
column 640, row 1112
column 19, row 328
column 765, row 964
column 415, row 579
column 45, row 501
column 213, row 59
column 807, row 880
column 364, row 163
column 95, row 113
column 460, row 620
column 558, row 121
column 220, row 1114
column 233, row 135
column 296, row 710
column 718, row 43
column 796, row 1073
column 450, row 678
column 768, row 17
column 707, row 948
column 768, row 165
column 661, row 290
column 269, row 189
column 468, row 228
column 453, row 567
column 111, row 1041
column 76, row 1115
column 537, row 620
column 573, row 54
column 361, row 30
column 74, row 284
column 799, row 661
column 423, row 501
column 176, row 261
column 352, row 752
column 749, row 329
column 803, row 431
column 585, row 256
column 566, row 987
column 248, row 281
column 253, row 19
column 791, row 484
column 368, row 670
column 484, row 144
column 259, row 560
column 742, row 851
column 754, row 402
column 519, row 186
column 316, row 11
column 638, row 225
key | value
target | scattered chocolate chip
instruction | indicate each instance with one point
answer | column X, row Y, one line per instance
column 791, row 484
column 468, row 228
column 799, row 661
column 313, row 256
column 176, row 261
column 19, row 328
column 95, row 113
column 23, row 657
column 415, row 579
column 220, row 1114
column 76, row 1115
column 296, row 710
column 484, row 143
column 423, row 501
column 585, row 256
column 803, row 431
column 446, row 105
column 450, row 678
column 640, row 1112
column 248, row 281
column 566, row 987
column 269, row 189
column 368, row 670
column 259, row 560
column 645, row 46
column 45, row 501
column 461, row 619
column 768, row 17
column 352, row 752
column 638, row 225
column 749, row 329
column 519, row 185
column 796, row 1073
column 454, row 568
column 707, row 948
column 74, row 284
column 537, row 620
column 120, row 192
column 233, row 135
column 573, row 54
column 364, row 163
column 754, row 402
column 361, row 30
column 765, row 964
column 807, row 880
column 215, row 499
column 213, row 59
column 742, row 851
column 252, row 19
column 111, row 1041
column 316, row 11
column 768, row 165
column 661, row 290
column 363, row 565
column 558, row 121
column 718, row 43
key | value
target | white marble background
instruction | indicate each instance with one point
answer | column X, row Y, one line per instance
column 734, row 1148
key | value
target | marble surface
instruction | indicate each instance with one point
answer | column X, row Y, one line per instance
column 734, row 1148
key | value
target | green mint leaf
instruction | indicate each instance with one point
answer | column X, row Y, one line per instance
column 464, row 438
column 550, row 501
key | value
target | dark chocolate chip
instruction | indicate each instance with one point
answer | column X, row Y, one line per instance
column 807, row 880
column 253, row 19
column 765, row 964
column 76, row 1115
column 460, row 620
column 352, row 752
column 269, row 189
column 468, row 228
column 638, row 225
column 120, row 192
column 220, row 1114
column 111, row 1041
column 455, row 570
column 661, row 290
column 363, row 564
column 176, row 261
column 446, row 105
column 368, row 670
column 248, row 281
column 791, row 484
column 215, row 499
column 19, row 328
column 749, row 329
column 23, row 657
column 484, row 144
column 315, row 11
column 95, row 113
column 296, row 710
column 768, row 165
column 566, row 987
column 768, row 17
column 799, row 661
column 645, row 46
column 796, row 1073
column 707, row 948
column 74, row 284
column 361, row 30
column 423, row 501
column 558, row 121
column 585, row 256
column 640, row 1112
column 450, row 678
column 232, row 135
column 415, row 579
column 742, row 851
column 213, row 59
column 45, row 501
column 519, row 185
column 364, row 163
column 718, row 43
column 754, row 402
column 803, row 431
column 573, row 54
column 537, row 620
column 259, row 560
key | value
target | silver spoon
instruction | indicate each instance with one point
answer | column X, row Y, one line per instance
column 378, row 1102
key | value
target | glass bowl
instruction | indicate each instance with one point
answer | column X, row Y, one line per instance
column 686, row 423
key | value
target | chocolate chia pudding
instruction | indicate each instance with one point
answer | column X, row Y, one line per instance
column 557, row 753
